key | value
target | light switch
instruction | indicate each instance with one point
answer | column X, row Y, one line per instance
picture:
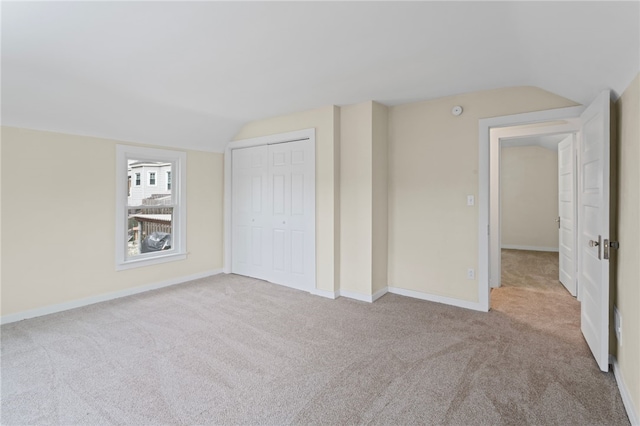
column 471, row 200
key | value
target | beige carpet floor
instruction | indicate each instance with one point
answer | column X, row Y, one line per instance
column 233, row 350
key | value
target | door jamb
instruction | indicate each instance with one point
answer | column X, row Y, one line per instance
column 484, row 217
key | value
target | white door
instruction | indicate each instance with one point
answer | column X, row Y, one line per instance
column 273, row 213
column 593, row 236
column 249, row 187
column 292, row 202
column 566, row 213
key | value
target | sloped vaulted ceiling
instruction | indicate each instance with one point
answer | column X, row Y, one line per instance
column 191, row 73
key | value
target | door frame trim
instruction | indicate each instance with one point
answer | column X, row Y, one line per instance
column 484, row 154
column 298, row 135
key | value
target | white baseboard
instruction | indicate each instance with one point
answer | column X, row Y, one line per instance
column 378, row 294
column 350, row 295
column 624, row 393
column 532, row 248
column 356, row 296
column 439, row 299
column 325, row 293
column 65, row 306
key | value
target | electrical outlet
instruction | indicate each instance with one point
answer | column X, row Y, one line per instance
column 471, row 274
column 471, row 200
column 617, row 321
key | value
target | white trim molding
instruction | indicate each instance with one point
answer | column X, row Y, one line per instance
column 324, row 293
column 65, row 306
column 356, row 296
column 475, row 306
column 378, row 294
column 178, row 250
column 531, row 248
column 364, row 297
column 627, row 401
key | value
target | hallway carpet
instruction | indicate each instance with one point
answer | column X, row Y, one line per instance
column 233, row 350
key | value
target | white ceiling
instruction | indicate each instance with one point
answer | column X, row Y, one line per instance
column 191, row 73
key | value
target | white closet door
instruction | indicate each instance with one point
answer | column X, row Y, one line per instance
column 250, row 212
column 292, row 203
column 273, row 213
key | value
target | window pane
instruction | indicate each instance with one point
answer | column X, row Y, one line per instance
column 149, row 230
column 152, row 183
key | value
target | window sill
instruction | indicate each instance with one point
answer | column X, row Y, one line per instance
column 155, row 260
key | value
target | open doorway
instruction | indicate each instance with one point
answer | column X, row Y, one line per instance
column 592, row 124
column 537, row 214
column 536, row 201
column 527, row 219
column 537, row 211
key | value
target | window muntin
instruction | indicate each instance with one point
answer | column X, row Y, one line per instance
column 151, row 219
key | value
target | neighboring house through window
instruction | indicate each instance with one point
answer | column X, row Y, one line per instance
column 151, row 218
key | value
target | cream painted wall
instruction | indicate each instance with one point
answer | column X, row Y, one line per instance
column 628, row 264
column 363, row 201
column 324, row 120
column 433, row 166
column 529, row 196
column 58, row 218
column 356, row 198
column 380, row 224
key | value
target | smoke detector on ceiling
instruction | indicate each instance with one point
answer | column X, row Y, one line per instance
column 456, row 110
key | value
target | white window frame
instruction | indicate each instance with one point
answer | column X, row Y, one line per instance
column 136, row 180
column 178, row 160
column 155, row 178
column 168, row 182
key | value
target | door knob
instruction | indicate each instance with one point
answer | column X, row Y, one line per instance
column 593, row 243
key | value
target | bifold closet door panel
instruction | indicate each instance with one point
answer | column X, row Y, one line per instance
column 250, row 211
column 292, row 192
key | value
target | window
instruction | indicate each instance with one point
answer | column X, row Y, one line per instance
column 150, row 226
